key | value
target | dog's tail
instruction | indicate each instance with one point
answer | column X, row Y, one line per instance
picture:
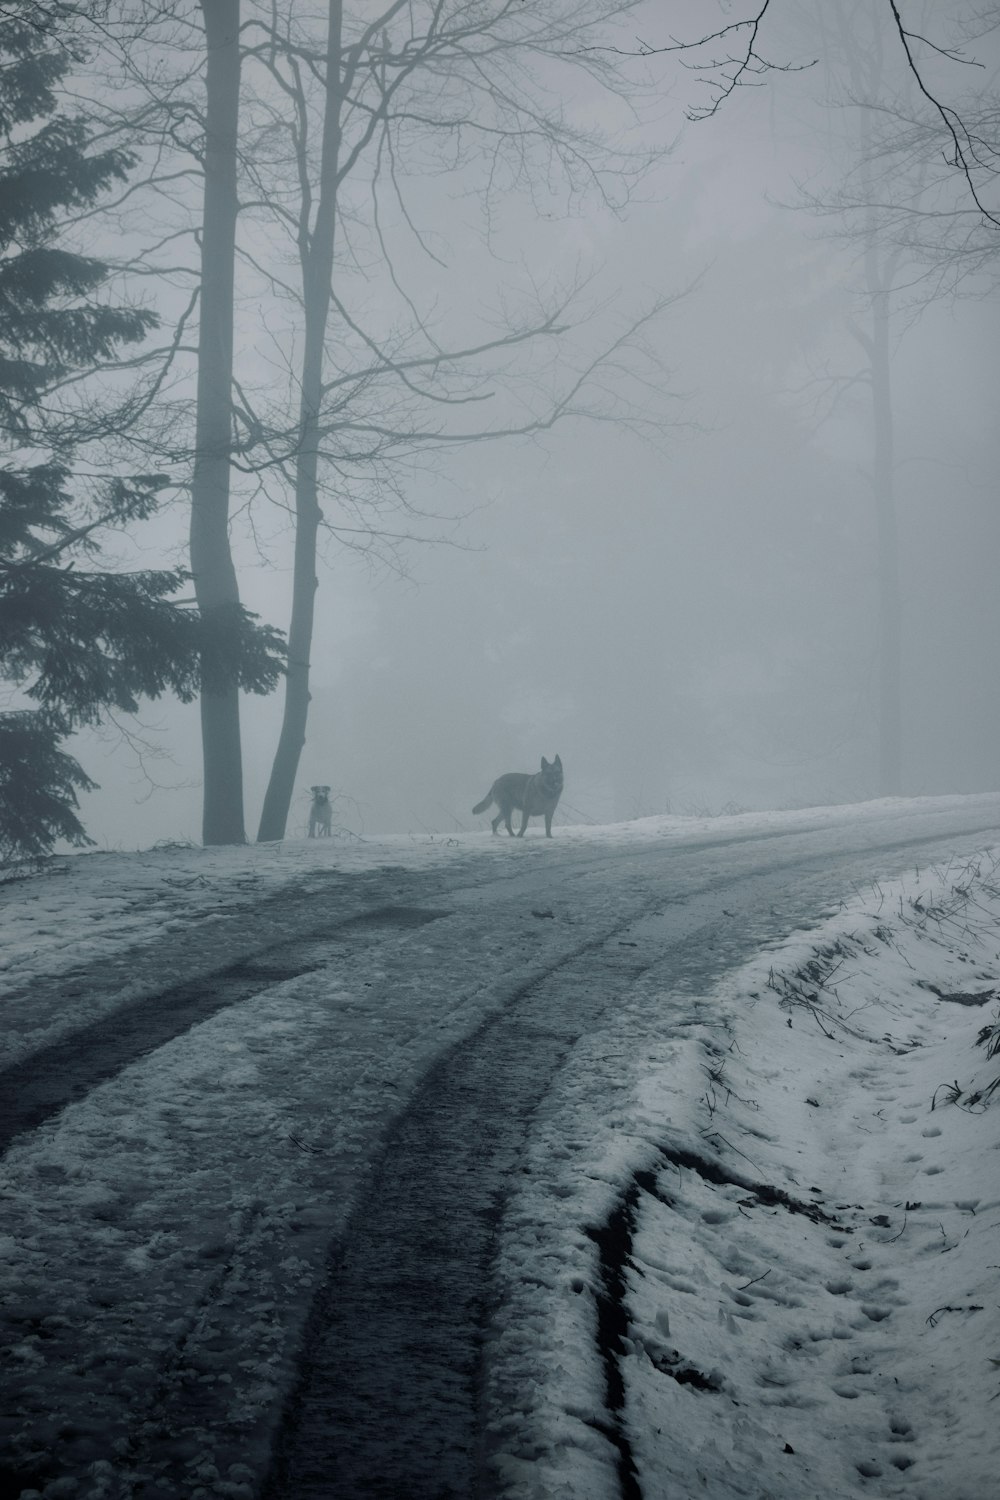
column 482, row 806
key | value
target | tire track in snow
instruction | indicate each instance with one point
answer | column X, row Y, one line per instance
column 614, row 1240
column 389, row 1395
column 389, row 1400
column 151, row 1014
column 245, row 948
column 297, row 935
column 261, row 943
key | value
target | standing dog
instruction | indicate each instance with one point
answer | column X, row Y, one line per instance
column 536, row 796
column 320, row 813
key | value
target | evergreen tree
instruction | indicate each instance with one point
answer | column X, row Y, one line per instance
column 75, row 640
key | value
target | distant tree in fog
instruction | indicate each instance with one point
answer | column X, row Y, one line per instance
column 923, row 229
column 857, row 53
column 75, row 641
column 921, row 199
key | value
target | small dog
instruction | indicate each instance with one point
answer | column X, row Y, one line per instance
column 320, row 813
column 536, row 796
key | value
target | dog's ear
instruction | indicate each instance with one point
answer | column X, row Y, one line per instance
column 557, row 762
column 315, row 789
column 325, row 790
column 545, row 764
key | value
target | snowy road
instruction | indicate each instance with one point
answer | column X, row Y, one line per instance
column 258, row 1177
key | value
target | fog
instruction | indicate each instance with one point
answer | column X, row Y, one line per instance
column 684, row 607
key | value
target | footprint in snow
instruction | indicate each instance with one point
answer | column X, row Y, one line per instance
column 875, row 1312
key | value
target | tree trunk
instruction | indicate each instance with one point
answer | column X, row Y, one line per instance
column 317, row 276
column 890, row 633
column 881, row 265
column 216, row 588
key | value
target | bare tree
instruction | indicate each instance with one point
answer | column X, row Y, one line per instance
column 921, row 230
column 855, row 49
column 406, row 89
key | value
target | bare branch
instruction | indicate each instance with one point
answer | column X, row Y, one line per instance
column 964, row 156
column 736, row 72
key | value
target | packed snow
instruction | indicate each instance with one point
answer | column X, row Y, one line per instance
column 807, row 1154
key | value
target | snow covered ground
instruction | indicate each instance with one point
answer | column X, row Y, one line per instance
column 753, row 1253
column 839, row 1336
